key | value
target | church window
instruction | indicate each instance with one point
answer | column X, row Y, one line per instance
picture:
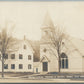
column 66, row 63
column 45, row 33
column 63, row 61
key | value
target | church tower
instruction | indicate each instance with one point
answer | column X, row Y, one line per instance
column 47, row 58
column 47, row 29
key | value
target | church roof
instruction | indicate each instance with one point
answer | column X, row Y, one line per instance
column 47, row 21
column 75, row 44
column 78, row 44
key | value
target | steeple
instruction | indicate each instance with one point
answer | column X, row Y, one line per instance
column 47, row 21
column 47, row 29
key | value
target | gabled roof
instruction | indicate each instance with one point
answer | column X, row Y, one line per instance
column 74, row 44
column 36, row 47
column 44, row 57
column 78, row 44
column 47, row 21
column 15, row 45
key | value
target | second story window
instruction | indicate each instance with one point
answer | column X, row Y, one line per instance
column 25, row 47
column 20, row 56
column 12, row 56
column 29, row 57
column 6, row 56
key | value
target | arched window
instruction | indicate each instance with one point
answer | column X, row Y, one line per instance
column 29, row 66
column 63, row 61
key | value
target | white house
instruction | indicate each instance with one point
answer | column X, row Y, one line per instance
column 19, row 57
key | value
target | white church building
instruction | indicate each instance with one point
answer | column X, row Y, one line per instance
column 72, row 55
column 21, row 56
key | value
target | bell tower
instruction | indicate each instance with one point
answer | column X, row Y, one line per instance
column 47, row 58
column 47, row 29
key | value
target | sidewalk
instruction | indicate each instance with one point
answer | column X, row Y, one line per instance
column 36, row 78
column 39, row 81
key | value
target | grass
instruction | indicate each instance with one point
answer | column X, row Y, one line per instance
column 26, row 74
column 16, row 74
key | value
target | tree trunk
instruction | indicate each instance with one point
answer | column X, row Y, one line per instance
column 3, row 66
column 59, row 65
column 58, row 60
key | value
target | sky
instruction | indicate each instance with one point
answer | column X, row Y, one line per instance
column 28, row 17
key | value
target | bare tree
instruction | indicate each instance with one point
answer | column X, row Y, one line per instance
column 5, row 41
column 57, row 42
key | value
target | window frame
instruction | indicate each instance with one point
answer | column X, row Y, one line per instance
column 20, row 56
column 20, row 66
column 64, row 61
column 6, row 56
column 6, row 66
column 12, row 56
column 13, row 65
column 29, row 57
column 29, row 66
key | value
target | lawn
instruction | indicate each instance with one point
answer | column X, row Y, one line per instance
column 17, row 74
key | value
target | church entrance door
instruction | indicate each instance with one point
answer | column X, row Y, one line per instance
column 45, row 66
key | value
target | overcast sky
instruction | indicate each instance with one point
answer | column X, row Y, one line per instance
column 28, row 17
